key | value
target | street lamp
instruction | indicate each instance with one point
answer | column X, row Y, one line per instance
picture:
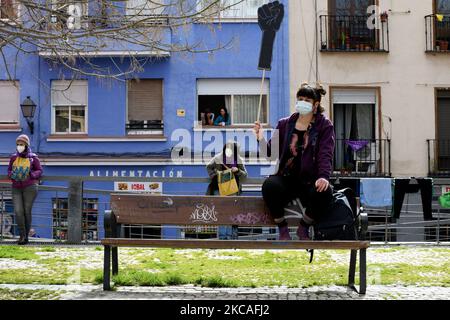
column 28, row 108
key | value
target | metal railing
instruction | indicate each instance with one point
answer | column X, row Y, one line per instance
column 437, row 33
column 353, row 34
column 439, row 158
column 109, row 21
column 362, row 158
column 47, row 210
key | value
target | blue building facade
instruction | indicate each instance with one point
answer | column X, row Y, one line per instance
column 89, row 130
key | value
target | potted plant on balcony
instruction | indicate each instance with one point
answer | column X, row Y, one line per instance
column 384, row 16
column 443, row 45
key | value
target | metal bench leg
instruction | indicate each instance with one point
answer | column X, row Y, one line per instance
column 362, row 271
column 352, row 269
column 107, row 268
column 115, row 261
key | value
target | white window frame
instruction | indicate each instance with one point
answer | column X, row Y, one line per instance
column 6, row 123
column 86, row 113
column 240, row 82
column 224, row 17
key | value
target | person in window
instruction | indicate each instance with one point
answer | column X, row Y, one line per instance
column 209, row 117
column 24, row 170
column 306, row 149
column 223, row 119
column 229, row 158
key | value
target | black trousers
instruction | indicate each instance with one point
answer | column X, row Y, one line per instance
column 278, row 191
column 403, row 186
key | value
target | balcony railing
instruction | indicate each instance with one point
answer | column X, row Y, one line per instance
column 145, row 127
column 437, row 33
column 354, row 34
column 439, row 158
column 362, row 158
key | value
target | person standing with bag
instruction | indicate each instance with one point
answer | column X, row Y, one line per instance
column 226, row 163
column 306, row 143
column 24, row 170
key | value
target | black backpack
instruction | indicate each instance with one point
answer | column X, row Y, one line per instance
column 340, row 220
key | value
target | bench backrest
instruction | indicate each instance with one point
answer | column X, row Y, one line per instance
column 190, row 210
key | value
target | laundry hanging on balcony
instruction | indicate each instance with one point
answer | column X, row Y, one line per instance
column 357, row 145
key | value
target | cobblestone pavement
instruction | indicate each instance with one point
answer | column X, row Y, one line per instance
column 188, row 292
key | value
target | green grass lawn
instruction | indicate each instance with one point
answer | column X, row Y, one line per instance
column 423, row 266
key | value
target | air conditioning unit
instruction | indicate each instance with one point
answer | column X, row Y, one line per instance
column 369, row 155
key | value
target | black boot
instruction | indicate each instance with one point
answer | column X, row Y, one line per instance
column 22, row 240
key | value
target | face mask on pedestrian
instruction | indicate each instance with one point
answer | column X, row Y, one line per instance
column 228, row 152
column 303, row 107
column 20, row 149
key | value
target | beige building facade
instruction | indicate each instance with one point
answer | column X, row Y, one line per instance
column 387, row 80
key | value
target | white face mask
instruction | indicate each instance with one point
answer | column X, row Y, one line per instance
column 303, row 107
column 228, row 152
column 21, row 149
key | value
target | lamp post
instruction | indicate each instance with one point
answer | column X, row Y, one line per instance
column 28, row 108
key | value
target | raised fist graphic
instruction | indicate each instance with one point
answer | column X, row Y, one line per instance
column 270, row 17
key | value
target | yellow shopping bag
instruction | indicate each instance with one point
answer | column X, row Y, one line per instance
column 227, row 183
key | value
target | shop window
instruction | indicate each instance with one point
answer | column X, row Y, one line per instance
column 89, row 221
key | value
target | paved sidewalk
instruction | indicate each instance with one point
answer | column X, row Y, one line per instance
column 374, row 292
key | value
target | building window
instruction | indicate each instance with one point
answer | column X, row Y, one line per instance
column 69, row 101
column 9, row 102
column 143, row 8
column 9, row 9
column 145, row 106
column 350, row 7
column 345, row 28
column 442, row 25
column 354, row 113
column 231, row 9
column 240, row 97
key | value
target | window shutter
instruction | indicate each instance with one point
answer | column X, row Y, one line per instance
column 9, row 102
column 69, row 93
column 354, row 96
column 145, row 99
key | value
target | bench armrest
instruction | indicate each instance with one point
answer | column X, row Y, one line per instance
column 110, row 224
column 363, row 224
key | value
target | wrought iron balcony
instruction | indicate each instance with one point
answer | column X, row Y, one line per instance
column 354, row 33
column 439, row 158
column 437, row 33
column 362, row 158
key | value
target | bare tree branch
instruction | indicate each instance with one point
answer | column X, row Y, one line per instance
column 71, row 33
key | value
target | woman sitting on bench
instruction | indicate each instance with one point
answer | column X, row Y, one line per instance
column 306, row 143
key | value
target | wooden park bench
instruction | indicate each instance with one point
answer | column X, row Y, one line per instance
column 209, row 210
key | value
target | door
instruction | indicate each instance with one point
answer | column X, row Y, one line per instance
column 443, row 130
